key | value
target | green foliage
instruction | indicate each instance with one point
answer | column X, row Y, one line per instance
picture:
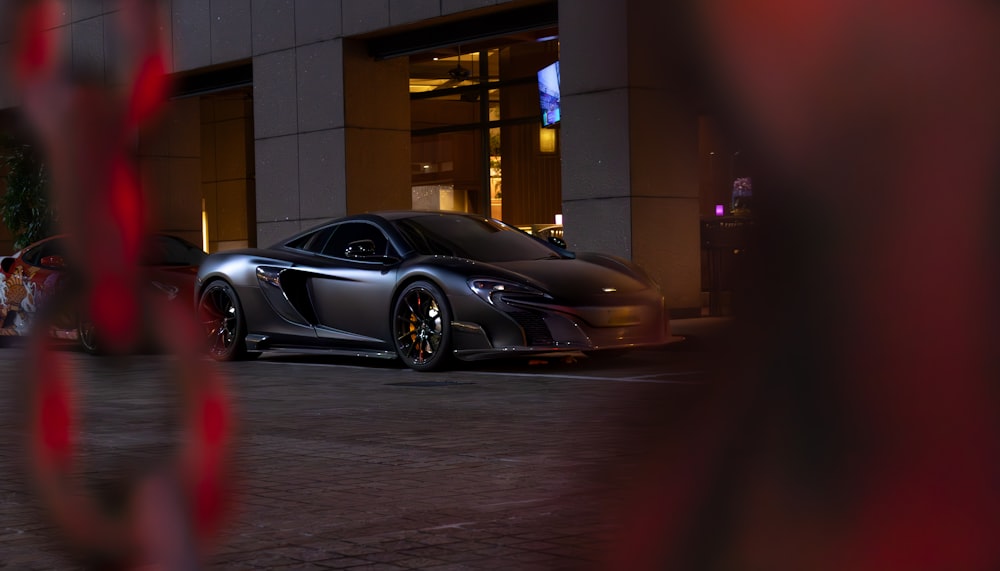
column 25, row 207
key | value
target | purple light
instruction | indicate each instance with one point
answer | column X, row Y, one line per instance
column 720, row 209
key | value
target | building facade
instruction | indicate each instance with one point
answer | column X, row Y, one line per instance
column 287, row 113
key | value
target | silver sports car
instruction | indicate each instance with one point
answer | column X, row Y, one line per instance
column 424, row 287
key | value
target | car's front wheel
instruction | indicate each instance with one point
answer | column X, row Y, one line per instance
column 223, row 321
column 422, row 326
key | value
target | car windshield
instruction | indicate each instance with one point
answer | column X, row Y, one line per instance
column 472, row 238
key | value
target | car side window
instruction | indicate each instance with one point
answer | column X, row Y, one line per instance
column 357, row 240
column 313, row 242
column 35, row 255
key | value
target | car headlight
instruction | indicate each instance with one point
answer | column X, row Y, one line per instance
column 487, row 288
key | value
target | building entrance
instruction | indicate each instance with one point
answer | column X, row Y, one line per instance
column 478, row 143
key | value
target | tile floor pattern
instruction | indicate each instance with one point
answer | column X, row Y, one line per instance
column 372, row 468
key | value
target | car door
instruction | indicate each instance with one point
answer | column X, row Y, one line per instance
column 352, row 297
column 28, row 281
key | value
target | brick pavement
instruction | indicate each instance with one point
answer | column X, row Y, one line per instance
column 368, row 467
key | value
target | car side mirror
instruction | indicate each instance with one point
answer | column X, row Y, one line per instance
column 360, row 250
column 52, row 261
column 557, row 241
column 6, row 264
column 389, row 260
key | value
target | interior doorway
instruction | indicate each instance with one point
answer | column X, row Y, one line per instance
column 478, row 143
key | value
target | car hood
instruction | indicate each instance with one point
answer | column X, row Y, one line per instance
column 584, row 279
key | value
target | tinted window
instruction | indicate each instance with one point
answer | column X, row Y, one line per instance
column 160, row 250
column 314, row 241
column 171, row 251
column 55, row 247
column 472, row 238
column 351, row 233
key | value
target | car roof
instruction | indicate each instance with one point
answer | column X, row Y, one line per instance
column 400, row 214
column 376, row 216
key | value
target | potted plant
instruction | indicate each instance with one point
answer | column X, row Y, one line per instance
column 24, row 207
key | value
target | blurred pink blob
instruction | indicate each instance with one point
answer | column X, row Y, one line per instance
column 858, row 425
column 88, row 129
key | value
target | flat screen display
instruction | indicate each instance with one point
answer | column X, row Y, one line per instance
column 548, row 93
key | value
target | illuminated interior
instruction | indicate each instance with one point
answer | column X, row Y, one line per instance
column 477, row 141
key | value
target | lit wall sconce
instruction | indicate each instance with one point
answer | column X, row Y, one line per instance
column 547, row 140
column 559, row 219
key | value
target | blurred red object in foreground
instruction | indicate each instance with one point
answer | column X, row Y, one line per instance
column 88, row 127
column 857, row 427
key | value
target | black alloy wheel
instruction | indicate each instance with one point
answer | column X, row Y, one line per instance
column 223, row 323
column 86, row 334
column 422, row 327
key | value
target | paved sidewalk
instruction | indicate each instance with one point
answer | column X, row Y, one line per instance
column 375, row 467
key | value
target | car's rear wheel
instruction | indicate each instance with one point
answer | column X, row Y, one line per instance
column 86, row 333
column 421, row 326
column 223, row 321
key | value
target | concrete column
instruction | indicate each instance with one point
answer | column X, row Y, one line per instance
column 276, row 145
column 629, row 144
column 332, row 129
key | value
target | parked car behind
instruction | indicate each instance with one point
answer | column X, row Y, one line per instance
column 33, row 275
